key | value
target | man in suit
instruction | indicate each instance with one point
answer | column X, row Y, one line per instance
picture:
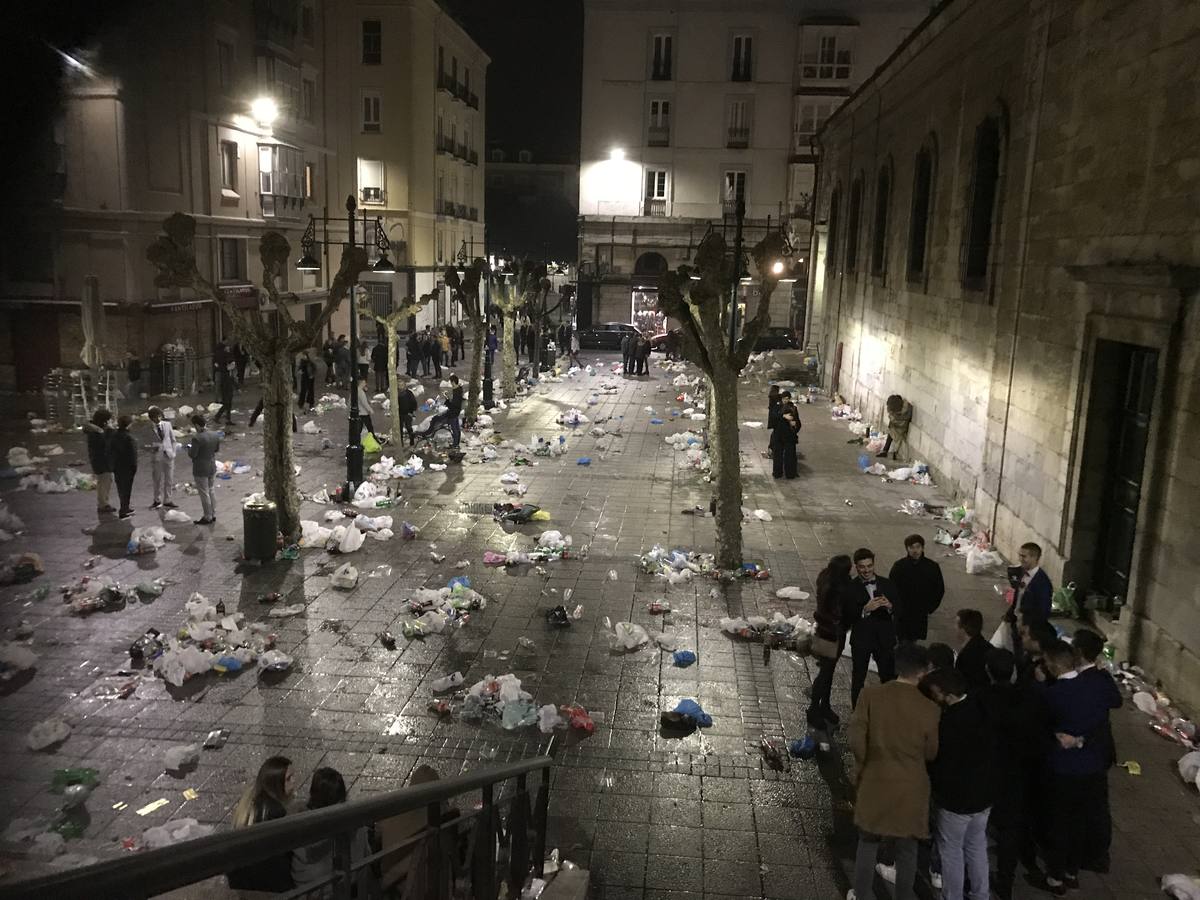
column 872, row 604
column 919, row 580
column 972, row 658
column 893, row 734
column 202, row 448
column 1032, row 586
column 1089, row 646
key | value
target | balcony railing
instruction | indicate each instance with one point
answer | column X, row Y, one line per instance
column 447, row 208
column 653, row 206
column 461, row 151
column 729, row 206
column 444, row 144
column 445, row 83
column 460, row 210
column 473, row 157
column 659, row 136
column 738, row 137
column 473, row 214
column 502, row 829
column 371, row 195
column 473, row 100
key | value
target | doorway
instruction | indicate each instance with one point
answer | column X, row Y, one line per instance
column 1112, row 477
column 35, row 347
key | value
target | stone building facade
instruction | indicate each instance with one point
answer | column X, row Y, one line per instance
column 1007, row 234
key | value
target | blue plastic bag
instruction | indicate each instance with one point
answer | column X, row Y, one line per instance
column 656, row 421
column 684, row 658
column 804, row 748
column 457, row 581
column 584, row 461
column 693, row 711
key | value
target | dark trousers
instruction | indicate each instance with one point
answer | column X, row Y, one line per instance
column 1010, row 823
column 783, row 461
column 381, row 380
column 627, row 364
column 366, row 423
column 406, row 427
column 308, row 396
column 124, row 480
column 1099, row 836
column 426, row 359
column 822, row 685
column 861, row 651
column 1077, row 804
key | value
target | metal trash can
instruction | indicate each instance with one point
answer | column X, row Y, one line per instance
column 260, row 526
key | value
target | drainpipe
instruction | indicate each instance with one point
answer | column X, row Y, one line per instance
column 1030, row 159
column 812, row 243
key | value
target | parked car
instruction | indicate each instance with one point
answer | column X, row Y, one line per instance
column 606, row 335
column 776, row 338
column 659, row 341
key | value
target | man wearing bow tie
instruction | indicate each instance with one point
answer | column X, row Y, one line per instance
column 871, row 611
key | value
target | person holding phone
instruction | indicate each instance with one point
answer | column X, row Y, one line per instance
column 870, row 616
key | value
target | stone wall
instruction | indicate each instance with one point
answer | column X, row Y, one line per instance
column 1096, row 237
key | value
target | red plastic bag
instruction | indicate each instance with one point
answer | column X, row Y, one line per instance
column 578, row 717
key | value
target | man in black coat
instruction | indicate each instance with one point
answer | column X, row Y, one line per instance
column 919, row 581
column 972, row 658
column 406, row 407
column 871, row 605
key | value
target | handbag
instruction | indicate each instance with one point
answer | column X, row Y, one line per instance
column 823, row 647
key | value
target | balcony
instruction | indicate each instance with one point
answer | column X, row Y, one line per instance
column 444, row 144
column 730, row 204
column 460, row 210
column 445, row 83
column 738, row 137
column 373, row 195
column 461, row 151
column 654, row 206
column 447, row 208
column 473, row 100
column 473, row 214
column 658, row 136
column 473, row 157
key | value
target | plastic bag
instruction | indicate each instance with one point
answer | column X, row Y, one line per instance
column 1062, row 601
column 174, row 832
column 628, row 636
column 791, row 593
column 178, row 758
column 979, row 561
column 762, row 515
column 346, row 577
column 351, row 540
column 47, row 733
column 1002, row 637
column 1181, row 887
column 549, row 719
column 1189, row 767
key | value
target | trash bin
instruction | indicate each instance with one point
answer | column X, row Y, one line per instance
column 259, row 528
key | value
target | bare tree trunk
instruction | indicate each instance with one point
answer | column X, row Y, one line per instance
column 393, row 386
column 279, row 472
column 478, row 339
column 723, row 446
column 508, row 356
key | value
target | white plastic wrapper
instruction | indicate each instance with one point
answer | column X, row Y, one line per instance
column 178, row 758
column 47, row 733
column 351, row 540
column 174, row 832
column 629, row 636
column 792, row 593
column 274, row 661
column 346, row 577
column 312, row 534
column 177, row 515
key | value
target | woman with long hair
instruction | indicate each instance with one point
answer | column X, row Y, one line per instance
column 316, row 862
column 832, row 584
column 263, row 801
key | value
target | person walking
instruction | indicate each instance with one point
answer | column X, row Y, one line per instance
column 784, row 436
column 379, row 362
column 900, row 414
column 627, row 350
column 133, row 375
column 329, row 355
column 460, row 342
column 434, row 350
column 971, row 662
column 341, row 361
column 162, row 449
column 240, row 360
column 833, row 587
column 893, row 734
column 100, row 457
column 493, row 344
column 202, row 448
column 444, row 345
column 1019, row 714
column 225, row 385
column 307, row 399
column 961, row 781
column 573, row 345
column 124, row 463
column 919, row 581
column 454, row 405
column 870, row 614
column 406, row 408
column 365, row 409
column 264, row 801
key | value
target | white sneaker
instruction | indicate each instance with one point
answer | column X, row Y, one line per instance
column 886, row 872
column 850, row 895
column 935, row 878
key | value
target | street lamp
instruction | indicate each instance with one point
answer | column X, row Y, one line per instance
column 264, row 110
column 308, row 262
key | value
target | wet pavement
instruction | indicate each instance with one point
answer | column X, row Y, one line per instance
column 651, row 815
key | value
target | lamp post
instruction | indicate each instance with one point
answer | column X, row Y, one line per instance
column 308, row 262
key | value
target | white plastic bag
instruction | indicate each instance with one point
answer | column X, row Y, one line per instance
column 173, row 832
column 310, row 427
column 47, row 734
column 176, row 515
column 346, row 577
column 628, row 636
column 178, row 758
column 351, row 540
column 1002, row 637
column 979, row 561
column 1181, row 887
column 791, row 593
column 1189, row 767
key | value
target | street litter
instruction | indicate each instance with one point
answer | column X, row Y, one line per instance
column 174, row 832
column 628, row 636
column 151, row 807
column 688, row 714
column 14, row 659
column 683, row 658
column 762, row 515
column 1181, row 887
column 1189, row 768
column 346, row 578
column 176, row 515
column 284, row 612
column 216, row 739
column 779, row 631
column 549, row 719
column 148, row 539
column 179, row 758
column 47, row 733
column 791, row 593
column 447, row 683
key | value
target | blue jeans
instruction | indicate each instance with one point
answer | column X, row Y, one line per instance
column 962, row 846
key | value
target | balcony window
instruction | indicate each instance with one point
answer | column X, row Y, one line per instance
column 922, row 206
column 307, row 29
column 661, row 58
column 370, row 106
column 280, row 179
column 308, row 99
column 372, row 42
column 734, row 191
column 742, row 58
column 657, row 186
column 826, row 57
column 310, row 181
column 809, row 119
column 370, row 181
column 985, row 182
column 738, row 132
column 229, row 165
column 659, row 129
column 225, row 65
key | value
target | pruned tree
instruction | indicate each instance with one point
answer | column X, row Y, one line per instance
column 539, row 310
column 513, row 292
column 466, row 294
column 698, row 297
column 391, row 326
column 273, row 337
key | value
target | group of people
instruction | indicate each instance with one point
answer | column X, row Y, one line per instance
column 954, row 744
column 113, row 456
column 635, row 353
column 429, row 349
column 783, row 421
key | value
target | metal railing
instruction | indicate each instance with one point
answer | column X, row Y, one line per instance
column 473, row 157
column 658, row 136
column 653, row 206
column 498, row 850
column 739, row 136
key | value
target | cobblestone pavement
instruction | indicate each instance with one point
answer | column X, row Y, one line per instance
column 651, row 816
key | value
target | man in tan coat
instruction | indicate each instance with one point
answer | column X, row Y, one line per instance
column 893, row 734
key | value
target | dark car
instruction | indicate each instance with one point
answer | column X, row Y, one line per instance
column 659, row 341
column 605, row 336
column 779, row 338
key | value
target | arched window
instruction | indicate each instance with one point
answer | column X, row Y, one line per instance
column 831, row 242
column 983, row 202
column 922, row 208
column 879, row 235
column 855, row 213
column 650, row 264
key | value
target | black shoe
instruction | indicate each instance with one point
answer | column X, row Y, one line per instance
column 170, row 505
column 155, row 505
column 816, row 719
column 202, row 521
column 126, row 514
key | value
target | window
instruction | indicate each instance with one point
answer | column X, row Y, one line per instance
column 742, row 58
column 229, row 165
column 306, row 23
column 809, row 119
column 441, row 62
column 370, row 181
column 370, row 111
column 280, row 178
column 310, row 181
column 826, row 57
column 232, row 253
column 734, row 190
column 440, row 246
column 308, row 99
column 831, row 246
column 660, row 66
column 524, row 156
column 739, row 124
column 441, row 190
column 466, row 79
column 659, row 134
column 856, row 189
column 883, row 202
column 656, row 184
column 985, row 180
column 378, row 296
column 282, row 80
column 372, row 42
column 225, row 65
column 454, row 69
column 922, row 203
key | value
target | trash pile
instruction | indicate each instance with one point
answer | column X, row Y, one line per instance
column 387, row 468
column 330, row 401
column 15, row 658
column 1165, row 719
column 148, row 539
column 68, row 480
column 19, row 568
column 572, row 417
column 916, row 473
column 793, row 633
column 519, row 513
column 677, row 566
column 89, row 595
column 500, row 699
column 207, row 641
column 436, row 611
